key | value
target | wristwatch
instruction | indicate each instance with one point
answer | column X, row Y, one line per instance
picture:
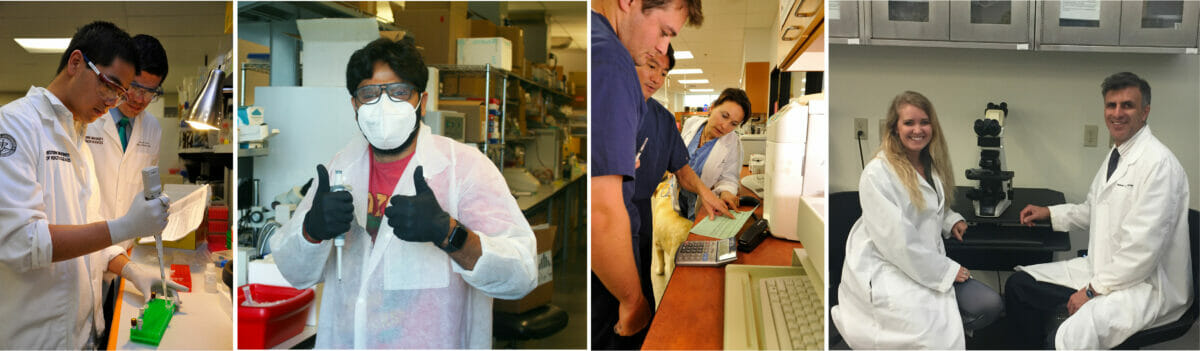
column 458, row 237
column 1089, row 292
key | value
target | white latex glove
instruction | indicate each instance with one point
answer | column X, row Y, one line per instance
column 146, row 281
column 144, row 218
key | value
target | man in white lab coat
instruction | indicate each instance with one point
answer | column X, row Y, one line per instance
column 51, row 258
column 1137, row 272
column 126, row 139
column 431, row 232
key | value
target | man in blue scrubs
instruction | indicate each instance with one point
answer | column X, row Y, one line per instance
column 664, row 152
column 622, row 32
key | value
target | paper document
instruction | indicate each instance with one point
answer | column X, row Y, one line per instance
column 722, row 227
column 1086, row 10
column 188, row 203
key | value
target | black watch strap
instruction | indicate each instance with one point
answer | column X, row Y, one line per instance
column 457, row 238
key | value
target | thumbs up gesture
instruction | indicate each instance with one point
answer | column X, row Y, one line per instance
column 418, row 217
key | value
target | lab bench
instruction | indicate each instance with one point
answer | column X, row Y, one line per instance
column 204, row 320
column 691, row 313
column 1002, row 243
column 563, row 202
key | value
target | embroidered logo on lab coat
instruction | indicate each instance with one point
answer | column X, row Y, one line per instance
column 52, row 155
column 8, row 145
column 93, row 140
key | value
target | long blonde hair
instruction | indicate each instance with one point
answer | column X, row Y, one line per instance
column 936, row 151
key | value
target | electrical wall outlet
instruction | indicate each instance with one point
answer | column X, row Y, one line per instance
column 860, row 128
column 1090, row 135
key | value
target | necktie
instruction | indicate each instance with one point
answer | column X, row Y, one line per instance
column 123, row 125
column 1112, row 163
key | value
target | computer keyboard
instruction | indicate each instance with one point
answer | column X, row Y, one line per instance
column 792, row 314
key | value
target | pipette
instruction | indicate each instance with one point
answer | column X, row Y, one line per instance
column 340, row 240
column 153, row 186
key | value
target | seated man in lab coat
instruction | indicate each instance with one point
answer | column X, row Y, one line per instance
column 431, row 231
column 1137, row 272
column 51, row 259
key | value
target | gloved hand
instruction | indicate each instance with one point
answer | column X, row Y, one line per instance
column 145, row 281
column 144, row 218
column 419, row 217
column 331, row 212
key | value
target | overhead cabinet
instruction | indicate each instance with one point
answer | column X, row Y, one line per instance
column 1068, row 25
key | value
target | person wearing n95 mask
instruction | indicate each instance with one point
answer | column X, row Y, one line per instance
column 431, row 232
column 52, row 255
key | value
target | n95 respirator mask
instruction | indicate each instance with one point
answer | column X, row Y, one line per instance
column 387, row 124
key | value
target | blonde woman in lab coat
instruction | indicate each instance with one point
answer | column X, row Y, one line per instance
column 714, row 151
column 898, row 288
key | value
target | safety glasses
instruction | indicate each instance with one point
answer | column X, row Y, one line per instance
column 370, row 94
column 110, row 90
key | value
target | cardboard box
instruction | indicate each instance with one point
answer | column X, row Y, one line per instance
column 434, row 26
column 495, row 51
column 516, row 35
column 545, row 290
column 482, row 28
column 475, row 114
column 468, row 86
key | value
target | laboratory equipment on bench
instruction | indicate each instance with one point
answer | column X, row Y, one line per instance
column 340, row 240
column 155, row 316
column 796, row 161
column 993, row 191
column 706, row 252
column 152, row 185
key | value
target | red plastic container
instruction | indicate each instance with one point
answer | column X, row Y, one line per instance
column 217, row 226
column 216, row 243
column 264, row 327
column 182, row 274
column 218, row 212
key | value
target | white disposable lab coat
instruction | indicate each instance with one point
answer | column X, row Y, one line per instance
column 46, row 170
column 897, row 283
column 723, row 168
column 119, row 172
column 399, row 294
column 1138, row 260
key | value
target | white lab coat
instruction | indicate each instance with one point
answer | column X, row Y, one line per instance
column 120, row 172
column 897, row 283
column 399, row 294
column 45, row 304
column 723, row 168
column 1138, row 258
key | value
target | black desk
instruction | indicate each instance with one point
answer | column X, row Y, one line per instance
column 1001, row 243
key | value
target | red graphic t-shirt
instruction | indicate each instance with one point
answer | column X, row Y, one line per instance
column 384, row 176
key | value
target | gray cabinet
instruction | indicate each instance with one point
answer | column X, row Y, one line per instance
column 1081, row 22
column 843, row 19
column 1159, row 23
column 910, row 20
column 1000, row 21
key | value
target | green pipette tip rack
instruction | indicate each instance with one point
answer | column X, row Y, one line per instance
column 154, row 322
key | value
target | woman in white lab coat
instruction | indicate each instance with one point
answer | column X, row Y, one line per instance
column 714, row 151
column 896, row 283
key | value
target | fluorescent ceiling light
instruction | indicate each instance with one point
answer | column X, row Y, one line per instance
column 43, row 45
column 686, row 71
column 683, row 55
column 693, row 81
column 701, row 90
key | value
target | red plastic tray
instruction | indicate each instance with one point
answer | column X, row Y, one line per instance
column 264, row 327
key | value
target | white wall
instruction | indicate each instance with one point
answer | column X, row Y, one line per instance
column 1050, row 95
column 572, row 60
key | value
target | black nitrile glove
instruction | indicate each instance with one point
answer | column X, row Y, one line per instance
column 419, row 217
column 331, row 212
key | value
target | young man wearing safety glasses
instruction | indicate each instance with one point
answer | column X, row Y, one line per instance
column 431, row 233
column 52, row 259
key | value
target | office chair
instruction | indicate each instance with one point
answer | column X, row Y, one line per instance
column 844, row 210
column 1179, row 327
column 540, row 322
